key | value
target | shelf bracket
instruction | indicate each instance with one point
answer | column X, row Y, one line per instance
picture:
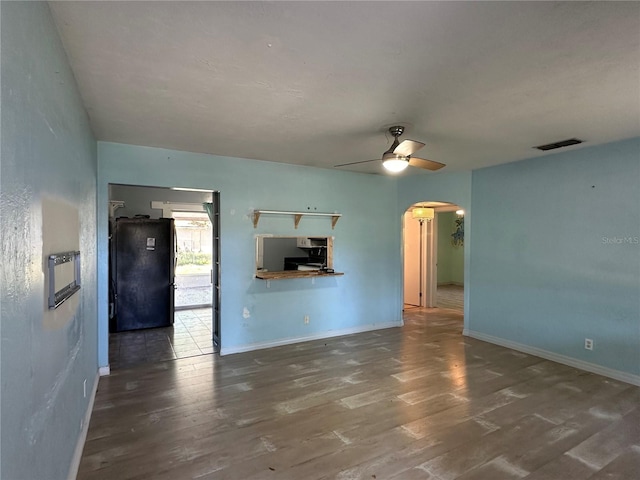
column 297, row 216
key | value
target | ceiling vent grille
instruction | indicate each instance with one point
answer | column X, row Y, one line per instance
column 563, row 143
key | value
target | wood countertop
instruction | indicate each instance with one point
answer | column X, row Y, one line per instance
column 295, row 274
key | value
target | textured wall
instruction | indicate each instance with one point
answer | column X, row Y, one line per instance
column 555, row 256
column 48, row 188
column 367, row 240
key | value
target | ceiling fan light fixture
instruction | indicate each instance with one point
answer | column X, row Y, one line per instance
column 394, row 163
column 400, row 155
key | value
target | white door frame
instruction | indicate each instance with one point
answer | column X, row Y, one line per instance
column 428, row 251
column 412, row 270
column 430, row 263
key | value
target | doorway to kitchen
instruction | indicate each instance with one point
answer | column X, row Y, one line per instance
column 192, row 327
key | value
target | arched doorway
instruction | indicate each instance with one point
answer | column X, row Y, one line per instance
column 433, row 256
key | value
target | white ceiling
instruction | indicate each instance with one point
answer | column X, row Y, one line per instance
column 319, row 83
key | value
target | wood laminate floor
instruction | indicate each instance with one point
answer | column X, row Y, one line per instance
column 450, row 296
column 417, row 402
column 447, row 296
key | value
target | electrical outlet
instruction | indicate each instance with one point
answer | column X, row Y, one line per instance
column 84, row 388
column 588, row 344
column 306, row 319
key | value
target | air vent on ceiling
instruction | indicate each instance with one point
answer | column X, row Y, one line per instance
column 563, row 143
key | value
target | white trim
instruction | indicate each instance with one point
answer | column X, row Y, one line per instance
column 77, row 454
column 318, row 336
column 102, row 371
column 429, row 265
column 556, row 357
column 447, row 208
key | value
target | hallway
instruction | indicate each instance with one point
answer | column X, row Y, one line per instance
column 451, row 297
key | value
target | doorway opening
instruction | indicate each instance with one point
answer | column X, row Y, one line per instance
column 194, row 267
column 433, row 247
column 189, row 296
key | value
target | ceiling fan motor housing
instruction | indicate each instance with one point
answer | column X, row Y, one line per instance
column 393, row 156
column 396, row 131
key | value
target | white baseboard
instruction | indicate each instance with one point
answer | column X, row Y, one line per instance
column 318, row 336
column 77, row 454
column 556, row 357
column 102, row 371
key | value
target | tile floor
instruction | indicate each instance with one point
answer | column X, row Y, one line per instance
column 190, row 336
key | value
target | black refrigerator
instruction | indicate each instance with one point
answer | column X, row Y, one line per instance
column 142, row 273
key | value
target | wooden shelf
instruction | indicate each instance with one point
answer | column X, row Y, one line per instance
column 285, row 274
column 296, row 216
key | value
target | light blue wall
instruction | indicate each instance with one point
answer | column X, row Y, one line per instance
column 439, row 187
column 546, row 270
column 365, row 248
column 48, row 165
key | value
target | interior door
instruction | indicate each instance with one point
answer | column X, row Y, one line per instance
column 412, row 293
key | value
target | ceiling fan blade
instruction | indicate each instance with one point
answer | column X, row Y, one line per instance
column 355, row 163
column 426, row 164
column 408, row 147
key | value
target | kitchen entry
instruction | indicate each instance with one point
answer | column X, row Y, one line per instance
column 190, row 323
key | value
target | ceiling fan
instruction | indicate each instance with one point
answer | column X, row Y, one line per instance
column 399, row 155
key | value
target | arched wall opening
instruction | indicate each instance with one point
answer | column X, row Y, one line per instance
column 433, row 260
